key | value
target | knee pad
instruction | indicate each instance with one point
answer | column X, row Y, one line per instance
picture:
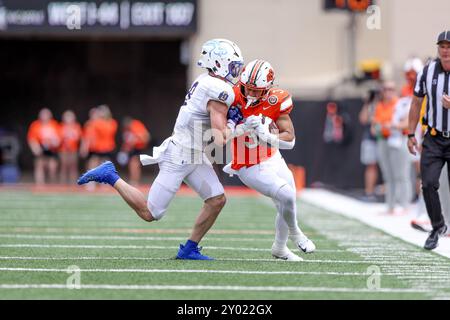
column 287, row 196
column 159, row 199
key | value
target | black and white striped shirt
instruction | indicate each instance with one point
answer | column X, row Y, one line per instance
column 433, row 81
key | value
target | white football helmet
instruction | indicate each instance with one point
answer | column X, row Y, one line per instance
column 414, row 64
column 256, row 80
column 223, row 58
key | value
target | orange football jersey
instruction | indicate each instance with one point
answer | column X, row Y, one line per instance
column 48, row 135
column 134, row 136
column 246, row 150
column 71, row 136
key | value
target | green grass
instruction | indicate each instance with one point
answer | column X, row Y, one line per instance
column 100, row 235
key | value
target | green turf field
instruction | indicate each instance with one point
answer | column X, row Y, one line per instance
column 122, row 257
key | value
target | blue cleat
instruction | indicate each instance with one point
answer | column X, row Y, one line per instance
column 104, row 173
column 191, row 253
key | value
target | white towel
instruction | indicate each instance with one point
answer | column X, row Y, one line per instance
column 147, row 160
column 231, row 172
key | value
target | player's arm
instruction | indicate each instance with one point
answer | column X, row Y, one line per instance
column 218, row 114
column 286, row 128
column 283, row 139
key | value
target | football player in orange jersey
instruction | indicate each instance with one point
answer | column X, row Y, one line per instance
column 44, row 140
column 267, row 127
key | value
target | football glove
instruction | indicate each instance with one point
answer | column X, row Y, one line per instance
column 235, row 114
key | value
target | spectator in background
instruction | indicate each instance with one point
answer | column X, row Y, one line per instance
column 412, row 68
column 88, row 142
column 369, row 153
column 394, row 162
column 70, row 141
column 135, row 137
column 105, row 129
column 396, row 142
column 99, row 136
column 44, row 141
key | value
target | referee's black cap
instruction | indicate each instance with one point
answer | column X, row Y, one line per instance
column 444, row 36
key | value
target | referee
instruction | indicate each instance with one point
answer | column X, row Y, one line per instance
column 433, row 82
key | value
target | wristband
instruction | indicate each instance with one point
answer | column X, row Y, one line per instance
column 411, row 135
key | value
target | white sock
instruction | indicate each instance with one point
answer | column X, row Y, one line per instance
column 287, row 199
column 281, row 231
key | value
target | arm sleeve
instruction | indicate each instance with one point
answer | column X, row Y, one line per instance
column 420, row 89
column 287, row 105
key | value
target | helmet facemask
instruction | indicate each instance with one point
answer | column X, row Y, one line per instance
column 234, row 71
column 253, row 94
column 256, row 80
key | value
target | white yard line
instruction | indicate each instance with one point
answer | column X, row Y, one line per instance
column 385, row 263
column 67, row 246
column 353, row 225
column 215, row 288
column 316, row 273
column 397, row 226
column 131, row 238
column 134, row 230
column 400, row 275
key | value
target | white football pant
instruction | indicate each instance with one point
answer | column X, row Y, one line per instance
column 273, row 178
column 174, row 168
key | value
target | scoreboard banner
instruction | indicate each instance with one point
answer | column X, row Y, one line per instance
column 105, row 17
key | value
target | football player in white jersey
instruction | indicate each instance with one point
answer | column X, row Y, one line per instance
column 181, row 157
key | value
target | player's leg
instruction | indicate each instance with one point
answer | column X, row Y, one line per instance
column 263, row 178
column 274, row 179
column 279, row 247
column 295, row 233
column 205, row 182
column 135, row 199
column 106, row 173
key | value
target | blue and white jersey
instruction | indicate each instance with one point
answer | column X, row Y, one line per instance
column 193, row 118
